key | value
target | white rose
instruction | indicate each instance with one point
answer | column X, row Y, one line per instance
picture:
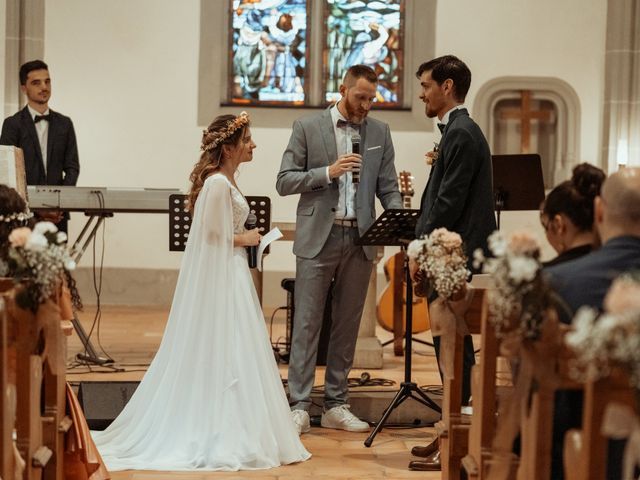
column 522, row 269
column 61, row 237
column 497, row 244
column 414, row 249
column 70, row 265
column 44, row 227
column 37, row 241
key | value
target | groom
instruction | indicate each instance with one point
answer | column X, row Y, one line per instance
column 333, row 210
column 459, row 192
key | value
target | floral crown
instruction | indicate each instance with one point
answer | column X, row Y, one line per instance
column 211, row 142
column 19, row 216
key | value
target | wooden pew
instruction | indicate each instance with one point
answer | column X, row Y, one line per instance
column 453, row 429
column 537, row 409
column 484, row 392
column 7, row 403
column 585, row 450
column 40, row 382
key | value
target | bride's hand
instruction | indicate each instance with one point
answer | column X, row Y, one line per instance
column 250, row 238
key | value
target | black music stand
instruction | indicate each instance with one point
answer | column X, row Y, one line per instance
column 180, row 219
column 397, row 227
column 510, row 192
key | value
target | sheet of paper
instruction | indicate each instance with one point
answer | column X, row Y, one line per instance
column 270, row 237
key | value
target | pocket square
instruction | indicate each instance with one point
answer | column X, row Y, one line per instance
column 374, row 148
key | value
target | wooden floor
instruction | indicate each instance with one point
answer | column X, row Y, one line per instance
column 131, row 337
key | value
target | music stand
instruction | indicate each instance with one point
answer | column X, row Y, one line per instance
column 396, row 227
column 510, row 192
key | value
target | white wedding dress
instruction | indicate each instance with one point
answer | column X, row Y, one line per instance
column 212, row 398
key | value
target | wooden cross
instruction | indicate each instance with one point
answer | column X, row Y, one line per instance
column 525, row 115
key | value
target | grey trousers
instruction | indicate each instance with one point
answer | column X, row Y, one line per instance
column 345, row 262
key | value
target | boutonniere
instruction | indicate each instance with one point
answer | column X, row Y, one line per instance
column 432, row 156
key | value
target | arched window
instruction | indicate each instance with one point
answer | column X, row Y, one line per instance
column 532, row 115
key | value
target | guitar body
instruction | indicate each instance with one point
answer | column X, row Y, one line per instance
column 393, row 300
column 391, row 311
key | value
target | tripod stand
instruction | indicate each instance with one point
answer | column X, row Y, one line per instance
column 396, row 227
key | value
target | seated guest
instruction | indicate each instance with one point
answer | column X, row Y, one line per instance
column 567, row 214
column 585, row 281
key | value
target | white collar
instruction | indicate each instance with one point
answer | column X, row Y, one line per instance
column 34, row 112
column 445, row 117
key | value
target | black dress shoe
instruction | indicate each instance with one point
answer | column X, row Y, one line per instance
column 429, row 464
column 424, row 452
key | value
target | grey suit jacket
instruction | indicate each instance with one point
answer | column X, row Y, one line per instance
column 63, row 166
column 311, row 149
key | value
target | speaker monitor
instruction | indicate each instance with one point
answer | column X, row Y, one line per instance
column 102, row 402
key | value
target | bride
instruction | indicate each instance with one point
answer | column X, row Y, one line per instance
column 212, row 398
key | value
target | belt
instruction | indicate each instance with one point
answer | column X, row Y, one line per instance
column 346, row 223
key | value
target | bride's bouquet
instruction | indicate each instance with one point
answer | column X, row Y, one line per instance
column 39, row 263
column 442, row 264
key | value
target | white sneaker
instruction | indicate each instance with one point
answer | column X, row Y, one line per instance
column 341, row 418
column 301, row 421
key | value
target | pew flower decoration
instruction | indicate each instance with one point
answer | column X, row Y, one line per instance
column 605, row 340
column 442, row 264
column 520, row 296
column 38, row 261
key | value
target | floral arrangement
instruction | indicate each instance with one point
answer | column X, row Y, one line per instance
column 432, row 156
column 441, row 262
column 38, row 261
column 212, row 142
column 520, row 296
column 604, row 340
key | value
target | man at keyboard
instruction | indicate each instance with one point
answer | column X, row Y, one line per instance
column 47, row 138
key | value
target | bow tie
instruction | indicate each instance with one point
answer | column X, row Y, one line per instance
column 344, row 124
column 441, row 127
column 41, row 117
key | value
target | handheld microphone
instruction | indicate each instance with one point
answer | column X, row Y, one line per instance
column 355, row 148
column 252, row 252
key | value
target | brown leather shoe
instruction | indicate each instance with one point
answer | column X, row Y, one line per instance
column 427, row 450
column 429, row 464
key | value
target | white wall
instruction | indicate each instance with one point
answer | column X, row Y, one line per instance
column 546, row 38
column 127, row 72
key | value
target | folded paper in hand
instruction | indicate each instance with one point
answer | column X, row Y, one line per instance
column 272, row 236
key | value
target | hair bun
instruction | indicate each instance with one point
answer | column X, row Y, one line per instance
column 587, row 180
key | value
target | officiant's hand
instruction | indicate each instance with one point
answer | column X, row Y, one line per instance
column 345, row 163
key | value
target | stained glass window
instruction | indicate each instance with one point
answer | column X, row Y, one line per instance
column 365, row 32
column 269, row 52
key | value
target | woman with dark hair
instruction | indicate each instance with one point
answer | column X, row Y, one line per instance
column 566, row 214
column 212, row 398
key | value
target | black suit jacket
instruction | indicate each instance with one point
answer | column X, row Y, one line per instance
column 459, row 193
column 585, row 281
column 63, row 166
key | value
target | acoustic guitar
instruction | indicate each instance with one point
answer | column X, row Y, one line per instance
column 391, row 310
